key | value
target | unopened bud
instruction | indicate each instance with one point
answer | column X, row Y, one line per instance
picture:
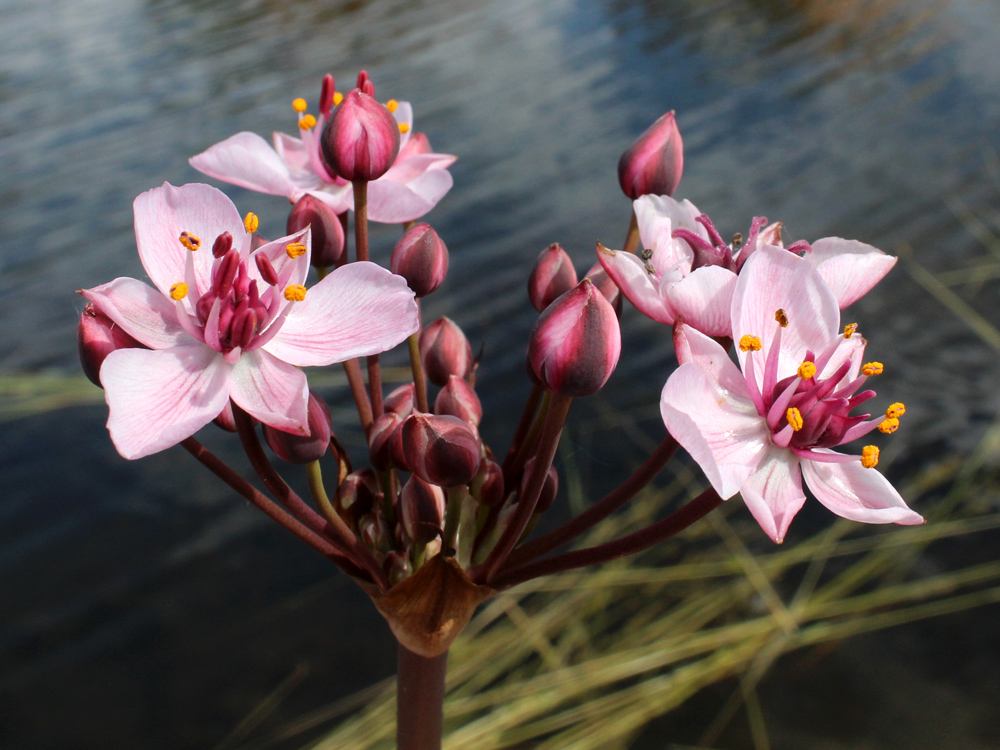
column 380, row 438
column 575, row 343
column 401, row 400
column 552, row 276
column 442, row 450
column 606, row 285
column 487, row 487
column 422, row 508
column 397, row 567
column 421, row 258
column 327, row 231
column 444, row 351
column 459, row 399
column 549, row 488
column 375, row 533
column 654, row 163
column 97, row 336
column 303, row 449
column 358, row 494
column 361, row 139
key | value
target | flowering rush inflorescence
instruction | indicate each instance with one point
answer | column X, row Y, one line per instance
column 438, row 522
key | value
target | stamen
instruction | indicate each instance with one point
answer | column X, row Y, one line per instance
column 404, row 128
column 337, row 98
column 266, row 269
column 222, row 245
column 295, row 250
column 295, row 292
column 781, row 317
column 849, row 330
column 750, row 343
column 299, row 105
column 650, row 269
column 178, row 291
column 873, row 368
column 895, row 411
column 807, row 370
column 794, row 417
column 869, row 456
column 251, row 222
column 392, row 105
column 307, row 122
column 189, row 241
column 888, row 425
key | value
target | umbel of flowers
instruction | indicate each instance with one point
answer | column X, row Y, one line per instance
column 766, row 395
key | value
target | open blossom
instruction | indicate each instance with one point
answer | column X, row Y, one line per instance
column 688, row 272
column 761, row 430
column 417, row 180
column 224, row 322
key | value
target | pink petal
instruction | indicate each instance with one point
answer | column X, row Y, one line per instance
column 293, row 154
column 851, row 268
column 404, row 170
column 636, row 283
column 161, row 214
column 859, row 494
column 717, row 425
column 247, row 160
column 272, row 391
column 391, row 202
column 340, row 198
column 404, row 115
column 704, row 300
column 358, row 310
column 158, row 398
column 141, row 311
column 290, row 270
column 774, row 492
column 774, row 279
column 658, row 216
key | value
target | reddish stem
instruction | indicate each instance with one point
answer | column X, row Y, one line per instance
column 353, row 371
column 527, row 416
column 420, row 700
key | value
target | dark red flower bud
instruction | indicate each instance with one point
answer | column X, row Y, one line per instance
column 397, row 566
column 442, row 450
column 607, row 286
column 303, row 449
column 380, row 438
column 549, row 489
column 459, row 399
column 327, row 231
column 421, row 258
column 552, row 276
column 358, row 494
column 97, row 336
column 487, row 486
column 375, row 533
column 575, row 344
column 401, row 400
column 444, row 351
column 422, row 507
column 654, row 163
column 361, row 139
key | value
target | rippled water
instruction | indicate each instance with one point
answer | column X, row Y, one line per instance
column 142, row 606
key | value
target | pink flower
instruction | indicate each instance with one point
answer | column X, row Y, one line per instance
column 417, row 180
column 759, row 431
column 688, row 272
column 224, row 322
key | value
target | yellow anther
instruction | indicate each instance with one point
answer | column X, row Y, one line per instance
column 896, row 410
column 392, row 105
column 873, row 368
column 849, row 330
column 189, row 241
column 750, row 343
column 178, row 291
column 888, row 425
column 779, row 315
column 404, row 128
column 251, row 222
column 869, row 456
column 299, row 105
column 337, row 98
column 295, row 249
column 794, row 417
column 295, row 292
column 807, row 370
column 307, row 122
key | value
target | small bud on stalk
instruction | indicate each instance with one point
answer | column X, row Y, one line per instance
column 444, row 351
column 552, row 276
column 654, row 163
column 459, row 399
column 98, row 336
column 575, row 344
column 361, row 140
column 606, row 286
column 442, row 450
column 303, row 449
column 422, row 508
column 421, row 258
column 327, row 231
column 549, row 489
column 487, row 486
column 358, row 493
column 401, row 400
column 380, row 440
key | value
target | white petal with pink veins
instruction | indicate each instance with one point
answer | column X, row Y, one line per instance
column 658, row 216
column 773, row 493
column 704, row 299
column 851, row 268
column 272, row 391
column 158, row 398
column 852, row 491
column 639, row 287
column 247, row 160
column 392, row 202
column 141, row 311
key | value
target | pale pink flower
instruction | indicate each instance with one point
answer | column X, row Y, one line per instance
column 224, row 322
column 688, row 272
column 417, row 180
column 760, row 431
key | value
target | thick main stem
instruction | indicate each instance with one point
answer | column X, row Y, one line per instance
column 361, row 250
column 420, row 700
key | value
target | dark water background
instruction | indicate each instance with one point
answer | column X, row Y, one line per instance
column 141, row 604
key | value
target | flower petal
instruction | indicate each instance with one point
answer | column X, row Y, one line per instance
column 859, row 494
column 161, row 214
column 658, row 216
column 774, row 492
column 630, row 275
column 358, row 310
column 404, row 116
column 392, row 202
column 339, row 198
column 849, row 267
column 718, row 426
column 158, row 398
column 272, row 391
column 704, row 300
column 247, row 160
column 141, row 311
